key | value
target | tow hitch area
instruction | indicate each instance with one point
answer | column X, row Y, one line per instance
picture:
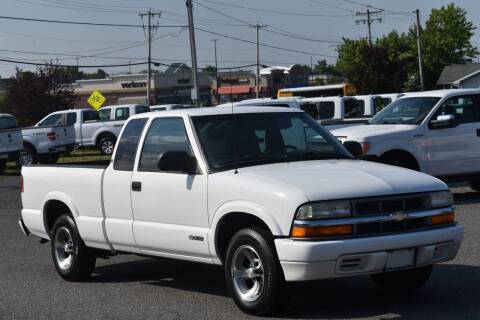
column 23, row 227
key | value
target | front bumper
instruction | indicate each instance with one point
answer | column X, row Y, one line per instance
column 311, row 260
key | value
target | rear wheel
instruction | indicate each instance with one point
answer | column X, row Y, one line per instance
column 48, row 159
column 27, row 157
column 253, row 273
column 72, row 259
column 106, row 145
column 404, row 280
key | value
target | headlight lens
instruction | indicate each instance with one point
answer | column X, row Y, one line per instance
column 441, row 199
column 324, row 210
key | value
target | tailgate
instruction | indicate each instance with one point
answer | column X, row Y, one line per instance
column 10, row 141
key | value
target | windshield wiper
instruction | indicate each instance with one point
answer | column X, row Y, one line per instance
column 316, row 155
column 252, row 158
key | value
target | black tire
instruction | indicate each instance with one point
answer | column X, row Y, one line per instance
column 106, row 145
column 27, row 156
column 3, row 166
column 76, row 264
column 274, row 292
column 404, row 280
column 48, row 159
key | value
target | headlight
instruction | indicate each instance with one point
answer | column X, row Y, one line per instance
column 324, row 210
column 441, row 199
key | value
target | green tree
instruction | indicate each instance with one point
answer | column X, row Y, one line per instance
column 446, row 40
column 212, row 71
column 32, row 95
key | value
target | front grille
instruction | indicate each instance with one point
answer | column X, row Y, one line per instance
column 388, row 205
column 380, row 206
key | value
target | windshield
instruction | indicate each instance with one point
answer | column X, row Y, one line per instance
column 405, row 111
column 236, row 140
column 7, row 123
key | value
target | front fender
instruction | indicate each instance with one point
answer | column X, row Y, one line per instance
column 241, row 206
column 382, row 147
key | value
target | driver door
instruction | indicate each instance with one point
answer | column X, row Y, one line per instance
column 455, row 150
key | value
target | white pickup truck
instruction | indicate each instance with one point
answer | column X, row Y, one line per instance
column 436, row 132
column 11, row 142
column 266, row 192
column 90, row 130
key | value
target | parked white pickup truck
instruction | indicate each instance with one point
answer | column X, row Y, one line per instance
column 436, row 132
column 90, row 131
column 265, row 192
column 11, row 142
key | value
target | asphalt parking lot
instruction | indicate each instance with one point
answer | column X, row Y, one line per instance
column 132, row 287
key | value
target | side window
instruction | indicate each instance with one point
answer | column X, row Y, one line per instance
column 122, row 113
column 128, row 144
column 90, row 115
column 104, row 114
column 53, row 120
column 463, row 108
column 7, row 123
column 311, row 109
column 326, row 110
column 165, row 134
column 380, row 103
column 71, row 118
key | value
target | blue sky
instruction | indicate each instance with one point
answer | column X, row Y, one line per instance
column 323, row 22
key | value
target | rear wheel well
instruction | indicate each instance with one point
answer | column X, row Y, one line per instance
column 53, row 210
column 400, row 158
column 29, row 145
column 104, row 135
column 231, row 224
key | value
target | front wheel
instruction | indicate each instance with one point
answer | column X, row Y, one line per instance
column 107, row 145
column 253, row 273
column 72, row 259
column 404, row 280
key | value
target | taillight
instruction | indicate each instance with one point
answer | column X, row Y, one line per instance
column 21, row 184
column 52, row 135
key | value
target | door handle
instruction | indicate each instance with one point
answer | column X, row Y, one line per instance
column 478, row 132
column 136, row 186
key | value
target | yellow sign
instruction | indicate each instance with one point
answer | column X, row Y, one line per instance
column 96, row 100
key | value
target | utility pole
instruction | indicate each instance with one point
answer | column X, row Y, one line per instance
column 419, row 48
column 193, row 52
column 149, row 33
column 216, row 66
column 369, row 20
column 257, row 74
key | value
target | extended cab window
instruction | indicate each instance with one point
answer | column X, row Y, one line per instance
column 7, row 123
column 463, row 108
column 128, row 144
column 354, row 108
column 104, row 114
column 90, row 115
column 122, row 113
column 311, row 109
column 71, row 118
column 326, row 110
column 165, row 134
column 141, row 109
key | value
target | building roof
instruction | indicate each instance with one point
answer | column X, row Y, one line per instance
column 454, row 73
column 176, row 67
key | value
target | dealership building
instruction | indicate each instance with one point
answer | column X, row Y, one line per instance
column 172, row 86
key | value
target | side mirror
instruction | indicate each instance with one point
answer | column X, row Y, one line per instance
column 355, row 148
column 442, row 121
column 177, row 161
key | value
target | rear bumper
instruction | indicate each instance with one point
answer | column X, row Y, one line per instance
column 309, row 260
column 23, row 227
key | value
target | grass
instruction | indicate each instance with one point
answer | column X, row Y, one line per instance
column 79, row 155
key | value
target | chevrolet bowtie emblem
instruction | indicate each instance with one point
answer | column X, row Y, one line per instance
column 398, row 216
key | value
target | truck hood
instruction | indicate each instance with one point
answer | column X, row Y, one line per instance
column 342, row 179
column 372, row 130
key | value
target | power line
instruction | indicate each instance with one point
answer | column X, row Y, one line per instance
column 299, row 37
column 290, row 13
column 89, row 23
column 73, row 66
column 331, row 6
column 223, row 14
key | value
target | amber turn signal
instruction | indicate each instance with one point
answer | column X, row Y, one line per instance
column 443, row 218
column 311, row 232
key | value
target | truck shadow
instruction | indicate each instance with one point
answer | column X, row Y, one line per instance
column 452, row 291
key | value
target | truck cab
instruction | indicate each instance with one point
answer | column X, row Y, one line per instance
column 121, row 112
